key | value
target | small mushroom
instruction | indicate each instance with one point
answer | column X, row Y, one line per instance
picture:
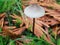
column 34, row 11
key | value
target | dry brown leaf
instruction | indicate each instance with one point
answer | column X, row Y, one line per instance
column 19, row 31
column 48, row 20
column 1, row 22
column 10, row 27
column 55, row 31
column 38, row 32
column 59, row 32
column 39, row 21
column 15, row 16
column 2, row 15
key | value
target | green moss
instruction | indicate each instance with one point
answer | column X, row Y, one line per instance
column 0, row 29
column 58, row 1
column 18, row 22
column 58, row 41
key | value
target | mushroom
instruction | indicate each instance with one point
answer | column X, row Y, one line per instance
column 34, row 11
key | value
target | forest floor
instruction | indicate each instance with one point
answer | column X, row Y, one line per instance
column 19, row 30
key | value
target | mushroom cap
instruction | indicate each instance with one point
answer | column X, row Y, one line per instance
column 34, row 11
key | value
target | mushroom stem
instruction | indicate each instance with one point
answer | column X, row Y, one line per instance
column 33, row 24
